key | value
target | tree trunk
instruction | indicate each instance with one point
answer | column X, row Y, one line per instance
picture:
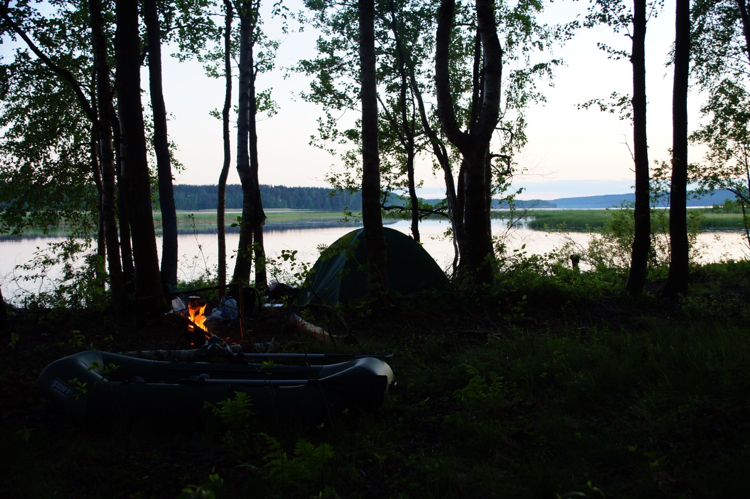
column 244, row 261
column 134, row 156
column 745, row 25
column 440, row 152
column 3, row 312
column 642, row 212
column 101, row 244
column 107, row 156
column 123, row 213
column 677, row 280
column 258, row 218
column 261, row 278
column 407, row 138
column 220, row 222
column 377, row 275
column 161, row 147
column 247, row 146
column 476, row 247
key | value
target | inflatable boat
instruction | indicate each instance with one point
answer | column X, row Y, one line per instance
column 98, row 386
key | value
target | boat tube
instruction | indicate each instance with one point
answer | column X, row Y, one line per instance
column 96, row 386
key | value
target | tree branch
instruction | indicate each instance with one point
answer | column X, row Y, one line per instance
column 61, row 72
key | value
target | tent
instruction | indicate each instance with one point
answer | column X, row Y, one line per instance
column 339, row 275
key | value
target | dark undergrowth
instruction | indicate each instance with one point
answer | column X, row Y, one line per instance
column 542, row 386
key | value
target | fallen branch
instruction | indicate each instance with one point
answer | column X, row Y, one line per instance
column 316, row 332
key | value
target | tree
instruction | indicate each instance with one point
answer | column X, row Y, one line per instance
column 400, row 28
column 377, row 276
column 161, row 147
column 247, row 141
column 615, row 14
column 408, row 127
column 54, row 140
column 134, row 156
column 720, row 55
column 473, row 144
column 106, row 152
column 221, row 202
column 727, row 135
column 677, row 280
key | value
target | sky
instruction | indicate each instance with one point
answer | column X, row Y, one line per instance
column 570, row 152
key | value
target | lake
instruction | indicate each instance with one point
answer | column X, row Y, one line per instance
column 199, row 252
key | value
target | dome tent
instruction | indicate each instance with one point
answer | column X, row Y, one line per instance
column 340, row 276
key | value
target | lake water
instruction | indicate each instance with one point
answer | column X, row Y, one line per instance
column 198, row 253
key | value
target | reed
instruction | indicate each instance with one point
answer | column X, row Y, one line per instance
column 571, row 219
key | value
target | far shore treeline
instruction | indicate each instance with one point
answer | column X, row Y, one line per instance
column 204, row 197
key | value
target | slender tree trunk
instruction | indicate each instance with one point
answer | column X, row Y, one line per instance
column 244, row 260
column 377, row 275
column 407, row 138
column 745, row 25
column 220, row 222
column 440, row 152
column 476, row 247
column 677, row 280
column 258, row 218
column 261, row 278
column 642, row 212
column 253, row 216
column 123, row 212
column 134, row 156
column 107, row 156
column 101, row 248
column 161, row 147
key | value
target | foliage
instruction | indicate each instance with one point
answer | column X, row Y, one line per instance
column 727, row 135
column 302, row 472
column 639, row 396
column 67, row 277
column 721, row 67
column 206, row 490
column 527, row 46
column 288, row 269
column 619, row 17
column 234, row 414
column 46, row 176
column 612, row 247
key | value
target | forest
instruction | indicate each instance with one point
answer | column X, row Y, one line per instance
column 205, row 197
column 618, row 369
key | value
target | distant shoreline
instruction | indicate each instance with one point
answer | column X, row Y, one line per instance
column 580, row 220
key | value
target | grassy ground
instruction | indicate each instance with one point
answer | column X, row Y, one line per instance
column 555, row 385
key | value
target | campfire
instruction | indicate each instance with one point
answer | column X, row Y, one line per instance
column 200, row 322
column 197, row 316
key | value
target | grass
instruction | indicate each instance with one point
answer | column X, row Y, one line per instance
column 206, row 220
column 542, row 386
column 584, row 220
column 573, row 219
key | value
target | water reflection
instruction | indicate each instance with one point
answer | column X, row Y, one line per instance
column 199, row 252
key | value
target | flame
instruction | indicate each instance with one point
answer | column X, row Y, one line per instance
column 197, row 316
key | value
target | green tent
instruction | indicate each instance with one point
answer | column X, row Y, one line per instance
column 339, row 275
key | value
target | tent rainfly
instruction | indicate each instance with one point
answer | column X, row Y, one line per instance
column 340, row 276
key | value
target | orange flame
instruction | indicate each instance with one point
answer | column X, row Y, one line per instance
column 197, row 316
